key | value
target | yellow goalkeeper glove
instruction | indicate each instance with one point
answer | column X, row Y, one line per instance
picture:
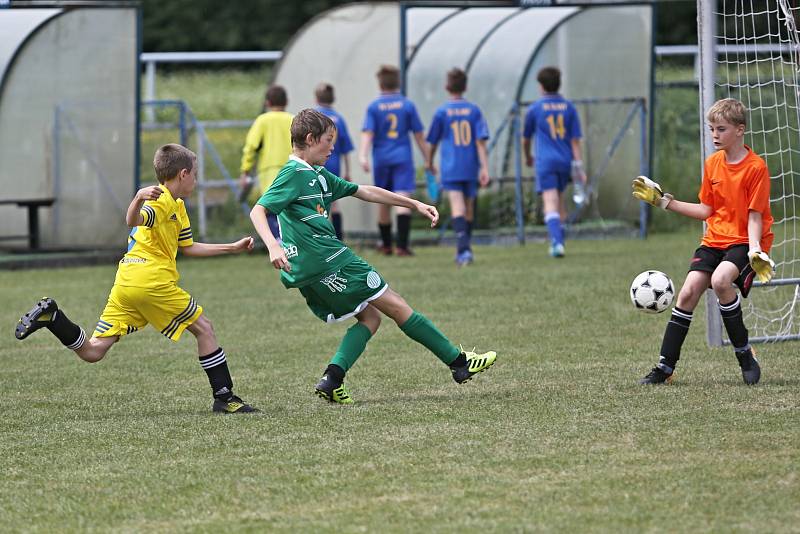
column 763, row 266
column 649, row 191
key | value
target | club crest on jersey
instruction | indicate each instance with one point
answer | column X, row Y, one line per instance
column 323, row 182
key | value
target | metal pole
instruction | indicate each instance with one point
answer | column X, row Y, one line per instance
column 515, row 131
column 150, row 88
column 201, row 181
column 644, row 207
column 706, row 32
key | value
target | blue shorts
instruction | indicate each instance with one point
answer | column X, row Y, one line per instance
column 400, row 177
column 468, row 187
column 551, row 179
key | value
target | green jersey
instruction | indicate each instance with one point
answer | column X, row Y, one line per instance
column 300, row 196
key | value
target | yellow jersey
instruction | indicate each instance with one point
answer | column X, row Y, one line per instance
column 153, row 246
column 269, row 137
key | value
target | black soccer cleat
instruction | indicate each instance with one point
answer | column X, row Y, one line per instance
column 327, row 389
column 476, row 363
column 656, row 376
column 232, row 405
column 38, row 317
column 751, row 371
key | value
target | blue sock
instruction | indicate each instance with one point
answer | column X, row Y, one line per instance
column 553, row 222
column 460, row 228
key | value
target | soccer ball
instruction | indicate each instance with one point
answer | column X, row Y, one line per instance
column 652, row 292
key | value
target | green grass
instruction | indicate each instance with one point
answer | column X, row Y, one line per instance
column 555, row 437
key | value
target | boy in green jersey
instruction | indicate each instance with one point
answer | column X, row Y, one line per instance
column 337, row 284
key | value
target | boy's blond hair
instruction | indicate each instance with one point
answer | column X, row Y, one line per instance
column 729, row 110
column 171, row 159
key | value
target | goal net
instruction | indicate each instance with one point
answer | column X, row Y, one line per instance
column 749, row 50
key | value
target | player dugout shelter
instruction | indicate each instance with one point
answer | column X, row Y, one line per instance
column 68, row 119
column 604, row 51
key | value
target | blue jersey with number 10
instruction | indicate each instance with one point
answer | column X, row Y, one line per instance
column 553, row 122
column 458, row 124
column 390, row 118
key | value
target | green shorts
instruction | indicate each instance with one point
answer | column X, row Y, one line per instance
column 340, row 295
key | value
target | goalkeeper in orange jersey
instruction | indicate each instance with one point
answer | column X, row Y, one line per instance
column 146, row 286
column 734, row 203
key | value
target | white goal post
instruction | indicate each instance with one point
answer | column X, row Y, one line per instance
column 750, row 50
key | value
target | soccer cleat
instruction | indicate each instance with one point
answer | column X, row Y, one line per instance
column 656, row 376
column 751, row 371
column 464, row 258
column 476, row 363
column 557, row 250
column 38, row 317
column 232, row 405
column 326, row 389
column 404, row 252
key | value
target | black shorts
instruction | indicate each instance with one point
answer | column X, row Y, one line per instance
column 707, row 259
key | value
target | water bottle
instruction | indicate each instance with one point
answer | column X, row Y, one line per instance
column 578, row 193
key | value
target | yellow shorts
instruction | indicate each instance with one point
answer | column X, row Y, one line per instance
column 169, row 309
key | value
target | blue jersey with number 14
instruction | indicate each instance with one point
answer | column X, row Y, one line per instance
column 553, row 122
column 390, row 118
column 458, row 124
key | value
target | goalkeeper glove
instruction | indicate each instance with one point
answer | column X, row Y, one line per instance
column 761, row 263
column 646, row 189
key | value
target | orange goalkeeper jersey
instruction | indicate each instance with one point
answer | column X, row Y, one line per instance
column 732, row 191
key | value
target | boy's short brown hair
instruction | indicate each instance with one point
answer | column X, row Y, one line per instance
column 550, row 78
column 171, row 159
column 276, row 96
column 456, row 80
column 729, row 110
column 309, row 121
column 324, row 94
column 388, row 78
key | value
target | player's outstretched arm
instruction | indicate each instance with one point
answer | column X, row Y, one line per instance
column 133, row 218
column 277, row 256
column 649, row 191
column 218, row 249
column 377, row 195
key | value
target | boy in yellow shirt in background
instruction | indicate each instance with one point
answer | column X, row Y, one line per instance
column 268, row 138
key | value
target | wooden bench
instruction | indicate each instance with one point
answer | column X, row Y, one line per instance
column 33, row 218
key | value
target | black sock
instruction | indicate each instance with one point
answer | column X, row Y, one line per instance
column 386, row 234
column 403, row 229
column 336, row 219
column 734, row 324
column 460, row 361
column 68, row 333
column 470, row 224
column 677, row 328
column 216, row 367
column 336, row 374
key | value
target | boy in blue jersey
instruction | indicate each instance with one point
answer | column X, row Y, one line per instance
column 388, row 121
column 341, row 150
column 460, row 127
column 146, row 287
column 337, row 284
column 554, row 123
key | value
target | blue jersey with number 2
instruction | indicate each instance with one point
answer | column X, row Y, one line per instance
column 458, row 124
column 553, row 123
column 390, row 118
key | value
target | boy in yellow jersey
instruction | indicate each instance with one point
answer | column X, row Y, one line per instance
column 268, row 138
column 146, row 287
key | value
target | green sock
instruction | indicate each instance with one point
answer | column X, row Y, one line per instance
column 351, row 347
column 421, row 330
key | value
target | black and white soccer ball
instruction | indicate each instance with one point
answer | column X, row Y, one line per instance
column 652, row 292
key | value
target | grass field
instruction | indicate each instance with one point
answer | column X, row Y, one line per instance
column 557, row 436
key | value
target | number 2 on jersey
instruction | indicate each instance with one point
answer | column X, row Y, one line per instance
column 392, row 133
column 557, row 130
column 462, row 132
